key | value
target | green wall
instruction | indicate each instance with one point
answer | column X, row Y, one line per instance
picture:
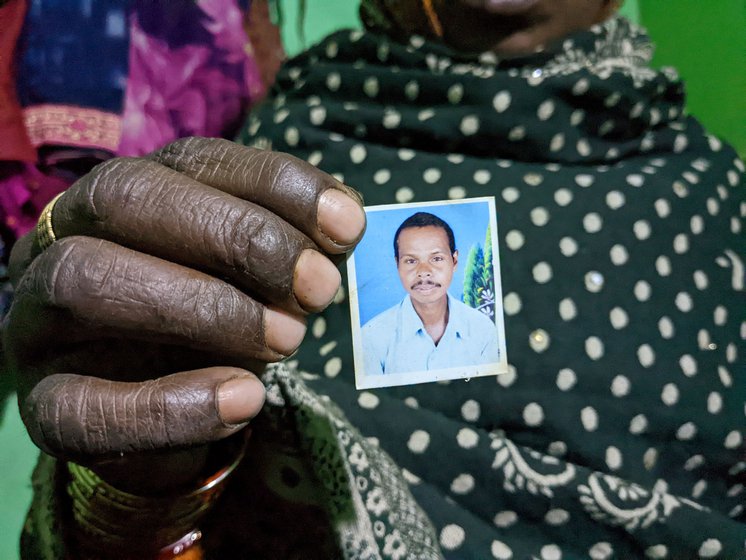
column 706, row 41
column 321, row 18
column 17, row 458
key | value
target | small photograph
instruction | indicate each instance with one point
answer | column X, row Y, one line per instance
column 425, row 294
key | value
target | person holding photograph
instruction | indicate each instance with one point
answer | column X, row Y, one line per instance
column 429, row 329
column 156, row 289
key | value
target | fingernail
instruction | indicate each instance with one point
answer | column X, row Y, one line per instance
column 340, row 217
column 240, row 399
column 283, row 332
column 316, row 280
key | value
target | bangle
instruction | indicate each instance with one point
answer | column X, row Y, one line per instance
column 111, row 523
column 174, row 550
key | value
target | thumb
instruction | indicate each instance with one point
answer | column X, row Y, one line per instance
column 75, row 416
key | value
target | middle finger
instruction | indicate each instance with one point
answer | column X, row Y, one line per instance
column 151, row 208
column 87, row 289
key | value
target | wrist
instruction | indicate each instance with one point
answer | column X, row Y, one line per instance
column 108, row 522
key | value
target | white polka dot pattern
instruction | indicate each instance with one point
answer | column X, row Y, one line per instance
column 623, row 330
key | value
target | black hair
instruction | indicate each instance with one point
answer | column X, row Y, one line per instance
column 424, row 219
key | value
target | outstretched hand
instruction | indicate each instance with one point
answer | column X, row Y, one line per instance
column 173, row 280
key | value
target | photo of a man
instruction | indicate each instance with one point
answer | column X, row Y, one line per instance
column 429, row 329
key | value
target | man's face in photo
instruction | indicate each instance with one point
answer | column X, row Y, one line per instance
column 425, row 265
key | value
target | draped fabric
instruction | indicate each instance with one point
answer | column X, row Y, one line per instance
column 88, row 80
column 618, row 431
column 112, row 65
column 14, row 143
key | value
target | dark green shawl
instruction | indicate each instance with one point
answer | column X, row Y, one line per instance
column 619, row 432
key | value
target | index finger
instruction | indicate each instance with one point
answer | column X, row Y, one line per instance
column 324, row 209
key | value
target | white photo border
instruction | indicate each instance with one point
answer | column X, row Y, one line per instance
column 363, row 381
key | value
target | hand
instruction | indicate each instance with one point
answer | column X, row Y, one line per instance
column 172, row 276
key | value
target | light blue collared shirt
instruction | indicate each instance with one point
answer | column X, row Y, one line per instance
column 396, row 341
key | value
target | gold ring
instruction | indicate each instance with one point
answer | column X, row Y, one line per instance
column 45, row 235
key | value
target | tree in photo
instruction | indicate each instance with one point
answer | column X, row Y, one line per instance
column 479, row 279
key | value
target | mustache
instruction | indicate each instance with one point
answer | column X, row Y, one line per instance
column 424, row 283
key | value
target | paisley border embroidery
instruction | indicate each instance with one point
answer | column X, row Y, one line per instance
column 74, row 126
column 519, row 474
column 616, row 502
